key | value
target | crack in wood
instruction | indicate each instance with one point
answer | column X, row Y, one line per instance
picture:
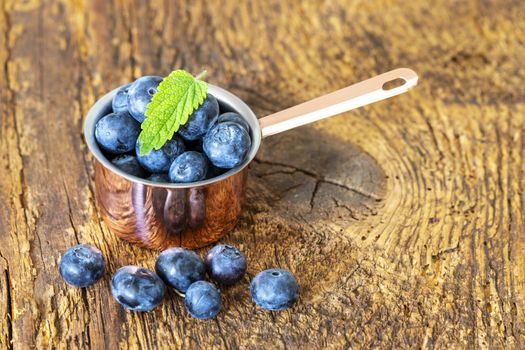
column 221, row 335
column 442, row 252
column 314, row 193
column 344, row 206
column 9, row 304
column 11, row 100
column 88, row 323
column 319, row 178
column 70, row 213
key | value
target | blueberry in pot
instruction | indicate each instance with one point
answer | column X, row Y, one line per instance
column 117, row 133
column 274, row 289
column 159, row 178
column 179, row 268
column 188, row 167
column 140, row 94
column 159, row 161
column 82, row 265
column 225, row 264
column 120, row 101
column 201, row 120
column 226, row 145
column 203, row 300
column 129, row 164
column 234, row 118
column 137, row 288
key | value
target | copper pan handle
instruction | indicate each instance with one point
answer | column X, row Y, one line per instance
column 348, row 98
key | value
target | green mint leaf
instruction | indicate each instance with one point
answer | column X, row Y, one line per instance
column 178, row 95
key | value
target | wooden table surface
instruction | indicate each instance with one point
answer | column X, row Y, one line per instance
column 403, row 221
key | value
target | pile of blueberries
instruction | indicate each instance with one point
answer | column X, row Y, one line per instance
column 139, row 289
column 207, row 145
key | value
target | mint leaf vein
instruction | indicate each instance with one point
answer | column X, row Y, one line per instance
column 178, row 95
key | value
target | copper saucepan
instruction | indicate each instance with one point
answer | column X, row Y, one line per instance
column 160, row 215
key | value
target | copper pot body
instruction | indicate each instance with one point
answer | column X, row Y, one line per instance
column 161, row 215
column 158, row 218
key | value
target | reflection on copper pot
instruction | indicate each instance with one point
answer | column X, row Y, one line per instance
column 157, row 217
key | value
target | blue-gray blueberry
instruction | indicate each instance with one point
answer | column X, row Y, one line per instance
column 274, row 289
column 82, row 265
column 201, row 120
column 234, row 118
column 129, row 164
column 159, row 161
column 120, row 101
column 203, row 300
column 190, row 166
column 140, row 94
column 117, row 133
column 179, row 268
column 137, row 288
column 225, row 264
column 226, row 145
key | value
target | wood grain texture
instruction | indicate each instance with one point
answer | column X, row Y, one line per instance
column 403, row 221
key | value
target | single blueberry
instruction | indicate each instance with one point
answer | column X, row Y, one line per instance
column 179, row 268
column 159, row 178
column 189, row 167
column 120, row 101
column 82, row 265
column 274, row 289
column 201, row 120
column 159, row 161
column 203, row 300
column 226, row 145
column 129, row 164
column 137, row 288
column 234, row 118
column 117, row 133
column 225, row 264
column 140, row 94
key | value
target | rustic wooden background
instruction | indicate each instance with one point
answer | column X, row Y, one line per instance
column 403, row 221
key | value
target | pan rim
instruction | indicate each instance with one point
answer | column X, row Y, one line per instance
column 103, row 106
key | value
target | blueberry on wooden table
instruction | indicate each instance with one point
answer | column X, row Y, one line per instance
column 137, row 288
column 120, row 101
column 190, row 166
column 117, row 133
column 159, row 161
column 140, row 94
column 226, row 144
column 225, row 264
column 129, row 164
column 179, row 268
column 234, row 118
column 274, row 289
column 203, row 300
column 201, row 120
column 82, row 265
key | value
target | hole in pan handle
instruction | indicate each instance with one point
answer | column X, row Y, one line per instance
column 354, row 96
